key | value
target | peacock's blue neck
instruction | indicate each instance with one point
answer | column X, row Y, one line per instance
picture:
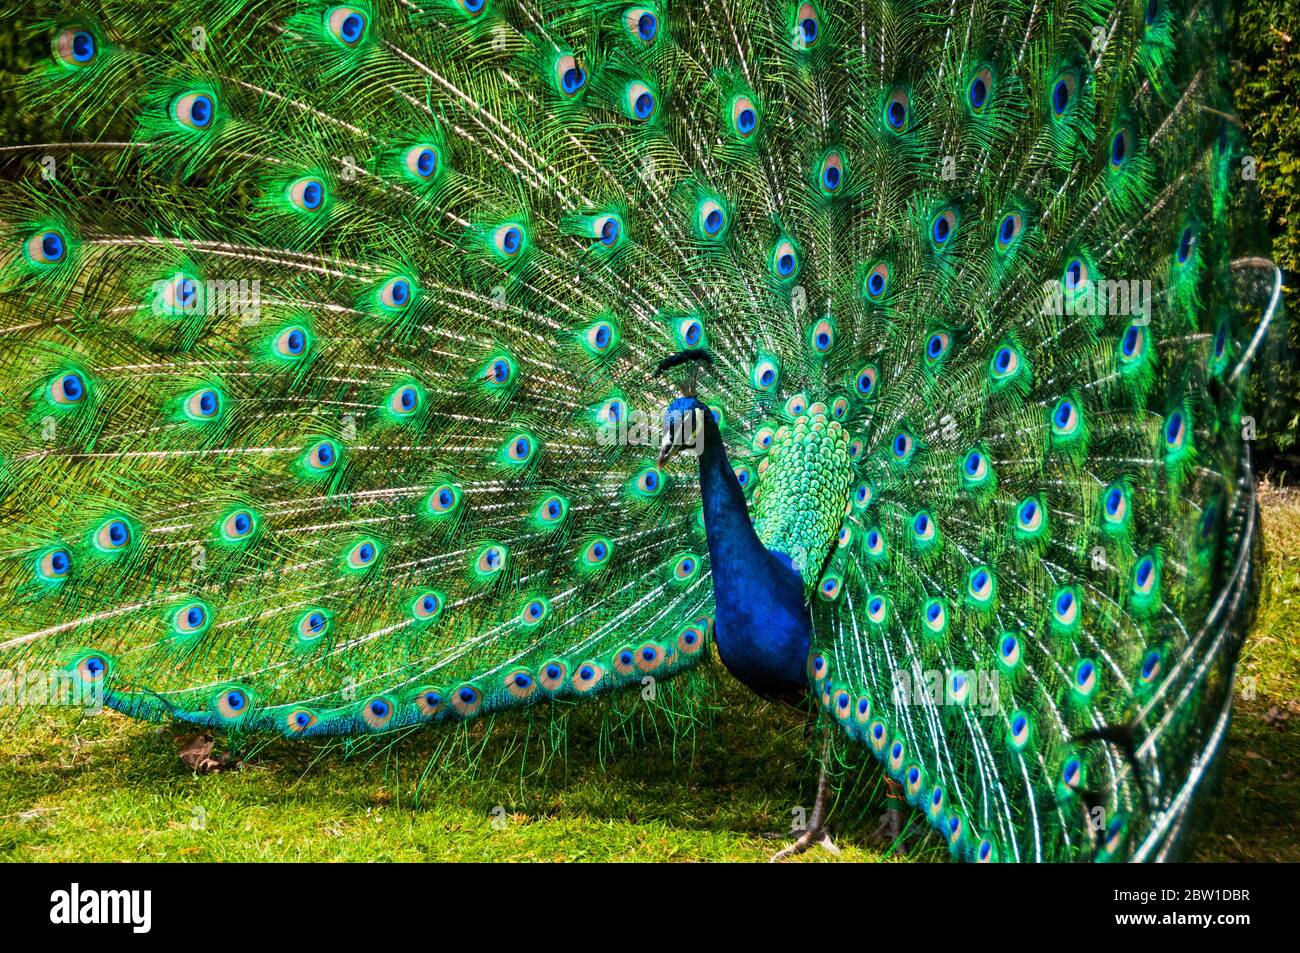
column 762, row 626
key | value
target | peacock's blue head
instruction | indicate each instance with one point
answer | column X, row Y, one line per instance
column 683, row 429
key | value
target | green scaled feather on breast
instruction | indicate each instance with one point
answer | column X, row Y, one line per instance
column 327, row 394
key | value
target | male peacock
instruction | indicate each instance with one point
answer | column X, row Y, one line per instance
column 329, row 332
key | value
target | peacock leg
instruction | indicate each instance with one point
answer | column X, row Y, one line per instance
column 816, row 833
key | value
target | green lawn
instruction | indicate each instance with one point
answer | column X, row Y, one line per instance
column 106, row 788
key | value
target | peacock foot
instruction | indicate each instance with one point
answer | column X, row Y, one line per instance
column 812, row 837
column 890, row 829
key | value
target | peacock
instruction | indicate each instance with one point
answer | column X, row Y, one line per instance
column 382, row 363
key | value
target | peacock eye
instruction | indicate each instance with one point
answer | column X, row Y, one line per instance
column 307, row 195
column 313, row 624
column 421, row 161
column 937, row 346
column 943, row 227
column 978, row 91
column 76, row 48
column 113, row 535
column 785, row 259
column 363, row 554
column 744, row 116
column 194, row 110
column 508, row 240
column 1121, row 147
column 54, row 564
column 690, row 332
column 238, row 525
column 807, row 26
column 404, row 401
column 190, row 619
column 1062, row 94
column 608, row 228
column 1009, row 230
column 473, row 7
column 426, row 606
column 395, row 294
column 712, row 219
column 46, row 248
column 832, row 173
column 640, row 101
column 203, row 404
column 877, row 281
column 1186, row 242
column 444, row 499
column 180, row 295
column 641, row 23
column 570, row 77
column 68, row 389
column 291, row 342
column 898, row 109
column 322, row 456
column 346, row 24
column 822, row 336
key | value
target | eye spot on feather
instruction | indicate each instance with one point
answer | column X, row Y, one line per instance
column 649, row 657
column 491, row 560
column 313, row 625
column 942, row 227
column 519, row 449
column 192, row 618
column 570, row 77
column 553, row 675
column 113, row 535
column 1062, row 94
column 979, row 90
column 807, row 29
column 934, row 617
column 395, row 294
column 67, row 389
column 1175, row 431
column 822, row 336
column 711, row 219
column 46, row 248
column 831, row 174
column 75, row 48
column 508, row 240
column 587, row 677
column 180, row 295
column 1019, row 730
column 520, row 684
column 642, row 24
column 785, row 260
column 600, row 338
column 744, row 117
column 421, row 161
column 1065, row 609
column 443, row 500
column 426, row 607
column 473, row 7
column 428, row 701
column 829, row 588
column 936, row 347
column 876, row 282
column 362, row 555
column 898, row 110
column 640, row 101
column 766, row 373
column 292, row 342
column 902, row 447
column 203, row 405
column 307, row 195
column 1009, row 230
column 466, row 700
column 689, row 332
column 233, row 703
column 1121, row 146
column 1085, row 678
column 1186, row 244
column 1009, row 650
column 534, row 612
column 404, row 401
column 194, row 110
column 53, row 565
column 596, row 553
column 321, row 457
column 299, row 720
column 347, row 25
column 378, row 712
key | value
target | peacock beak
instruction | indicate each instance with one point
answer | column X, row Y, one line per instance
column 666, row 449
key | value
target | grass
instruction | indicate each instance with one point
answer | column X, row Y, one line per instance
column 106, row 788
